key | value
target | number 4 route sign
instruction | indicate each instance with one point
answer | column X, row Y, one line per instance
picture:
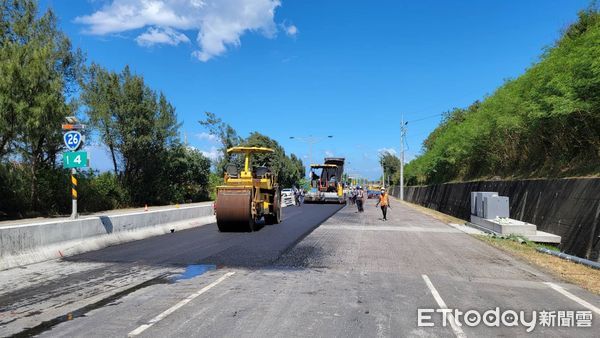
column 75, row 159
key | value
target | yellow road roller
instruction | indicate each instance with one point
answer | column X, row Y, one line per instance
column 247, row 195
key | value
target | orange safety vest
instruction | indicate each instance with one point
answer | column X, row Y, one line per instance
column 383, row 199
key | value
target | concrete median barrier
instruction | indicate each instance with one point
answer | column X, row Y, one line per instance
column 30, row 243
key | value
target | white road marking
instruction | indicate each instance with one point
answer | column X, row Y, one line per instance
column 175, row 307
column 457, row 330
column 389, row 228
column 573, row 297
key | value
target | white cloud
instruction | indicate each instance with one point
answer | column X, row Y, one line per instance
column 328, row 153
column 219, row 23
column 391, row 151
column 204, row 136
column 159, row 35
column 213, row 154
column 291, row 30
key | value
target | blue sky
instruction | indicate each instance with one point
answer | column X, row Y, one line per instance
column 314, row 67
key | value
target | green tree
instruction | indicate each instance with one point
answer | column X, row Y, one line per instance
column 100, row 192
column 545, row 123
column 102, row 95
column 38, row 71
column 214, row 180
column 228, row 138
column 289, row 170
column 138, row 126
column 391, row 166
column 188, row 174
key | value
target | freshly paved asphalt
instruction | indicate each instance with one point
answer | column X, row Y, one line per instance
column 46, row 291
column 354, row 275
column 206, row 245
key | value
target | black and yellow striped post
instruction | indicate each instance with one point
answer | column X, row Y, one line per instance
column 74, row 193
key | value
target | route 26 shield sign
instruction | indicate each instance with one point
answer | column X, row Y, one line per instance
column 72, row 140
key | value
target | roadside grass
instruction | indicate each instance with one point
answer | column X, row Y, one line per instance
column 575, row 273
column 516, row 246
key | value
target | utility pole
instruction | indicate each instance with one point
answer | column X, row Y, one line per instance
column 402, row 137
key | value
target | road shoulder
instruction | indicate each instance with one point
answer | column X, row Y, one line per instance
column 577, row 274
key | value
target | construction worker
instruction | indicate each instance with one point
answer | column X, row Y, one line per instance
column 297, row 197
column 314, row 178
column 384, row 202
column 359, row 199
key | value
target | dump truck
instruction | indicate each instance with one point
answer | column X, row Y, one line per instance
column 327, row 186
column 248, row 195
column 373, row 191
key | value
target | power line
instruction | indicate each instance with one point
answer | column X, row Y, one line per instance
column 425, row 118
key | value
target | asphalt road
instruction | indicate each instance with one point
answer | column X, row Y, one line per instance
column 354, row 275
column 38, row 296
column 206, row 245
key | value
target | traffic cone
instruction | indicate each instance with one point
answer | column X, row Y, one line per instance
column 145, row 207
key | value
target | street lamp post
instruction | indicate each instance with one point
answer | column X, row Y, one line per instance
column 311, row 140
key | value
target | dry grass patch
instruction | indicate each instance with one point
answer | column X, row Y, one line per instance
column 575, row 273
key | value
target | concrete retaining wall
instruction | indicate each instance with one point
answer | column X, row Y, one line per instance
column 569, row 208
column 28, row 243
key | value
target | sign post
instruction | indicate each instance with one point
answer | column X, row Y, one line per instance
column 74, row 214
column 74, row 159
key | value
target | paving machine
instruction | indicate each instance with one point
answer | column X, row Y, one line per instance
column 327, row 187
column 247, row 196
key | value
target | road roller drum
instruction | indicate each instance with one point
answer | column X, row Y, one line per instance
column 235, row 210
column 247, row 196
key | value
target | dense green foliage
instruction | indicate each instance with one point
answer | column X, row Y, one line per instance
column 289, row 169
column 391, row 167
column 140, row 130
column 214, row 180
column 38, row 72
column 43, row 80
column 186, row 175
column 545, row 123
column 40, row 77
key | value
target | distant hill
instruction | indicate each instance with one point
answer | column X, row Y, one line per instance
column 545, row 123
